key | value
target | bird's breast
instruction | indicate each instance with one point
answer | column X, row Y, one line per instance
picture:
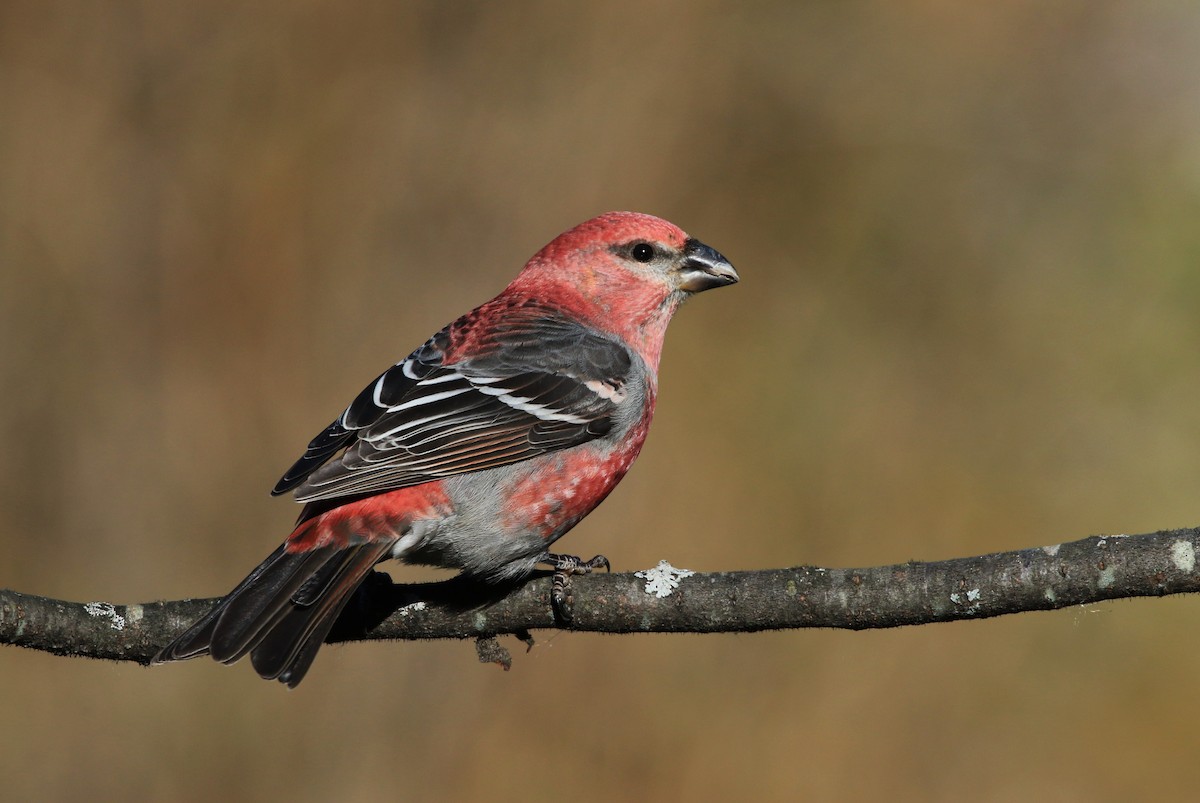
column 567, row 486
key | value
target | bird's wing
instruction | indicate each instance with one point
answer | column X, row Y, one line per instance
column 529, row 383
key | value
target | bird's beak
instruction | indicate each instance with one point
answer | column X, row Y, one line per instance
column 703, row 268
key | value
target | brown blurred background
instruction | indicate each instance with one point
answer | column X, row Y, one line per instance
column 968, row 322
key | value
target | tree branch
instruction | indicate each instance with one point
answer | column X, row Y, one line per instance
column 1047, row 578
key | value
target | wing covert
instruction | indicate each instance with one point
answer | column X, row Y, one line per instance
column 540, row 382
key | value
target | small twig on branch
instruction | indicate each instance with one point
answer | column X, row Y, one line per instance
column 1082, row 572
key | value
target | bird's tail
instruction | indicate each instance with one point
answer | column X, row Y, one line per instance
column 282, row 612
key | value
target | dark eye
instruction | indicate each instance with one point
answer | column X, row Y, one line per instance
column 642, row 252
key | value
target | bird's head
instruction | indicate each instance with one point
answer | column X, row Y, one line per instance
column 633, row 248
column 626, row 273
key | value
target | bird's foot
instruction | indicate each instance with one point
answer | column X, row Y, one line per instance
column 560, row 587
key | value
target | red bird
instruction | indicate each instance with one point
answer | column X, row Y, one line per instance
column 481, row 448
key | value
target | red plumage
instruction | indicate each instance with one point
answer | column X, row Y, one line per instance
column 482, row 447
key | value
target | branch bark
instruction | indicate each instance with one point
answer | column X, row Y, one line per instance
column 1047, row 578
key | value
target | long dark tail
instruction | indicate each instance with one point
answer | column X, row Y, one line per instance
column 282, row 612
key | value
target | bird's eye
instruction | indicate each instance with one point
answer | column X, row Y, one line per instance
column 642, row 252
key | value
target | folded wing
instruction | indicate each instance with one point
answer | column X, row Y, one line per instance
column 536, row 383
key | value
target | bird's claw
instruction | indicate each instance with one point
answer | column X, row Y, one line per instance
column 560, row 587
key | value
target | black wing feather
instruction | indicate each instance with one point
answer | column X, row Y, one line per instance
column 539, row 382
column 385, row 391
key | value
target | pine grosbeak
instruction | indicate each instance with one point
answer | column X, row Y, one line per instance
column 482, row 447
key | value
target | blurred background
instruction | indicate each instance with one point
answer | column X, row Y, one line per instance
column 968, row 322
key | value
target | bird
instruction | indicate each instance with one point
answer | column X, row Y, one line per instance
column 479, row 449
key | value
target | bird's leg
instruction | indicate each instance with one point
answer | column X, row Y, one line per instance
column 560, row 587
